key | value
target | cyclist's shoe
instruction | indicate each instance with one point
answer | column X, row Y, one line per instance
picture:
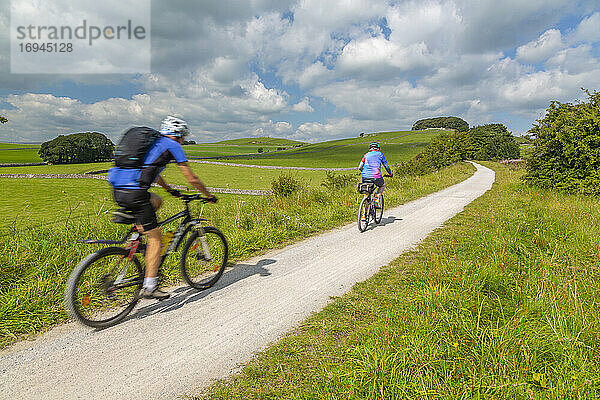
column 154, row 294
column 376, row 202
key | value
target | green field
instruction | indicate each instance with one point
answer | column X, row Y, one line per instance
column 26, row 153
column 502, row 303
column 345, row 153
column 221, row 176
column 397, row 146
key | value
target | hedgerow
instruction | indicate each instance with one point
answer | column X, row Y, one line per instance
column 566, row 149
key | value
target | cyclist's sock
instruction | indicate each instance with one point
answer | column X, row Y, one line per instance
column 150, row 283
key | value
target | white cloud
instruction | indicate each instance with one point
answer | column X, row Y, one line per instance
column 542, row 48
column 303, row 106
column 588, row 30
column 377, row 58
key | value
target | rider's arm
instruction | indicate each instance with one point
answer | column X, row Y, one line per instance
column 162, row 183
column 362, row 164
column 385, row 164
column 193, row 179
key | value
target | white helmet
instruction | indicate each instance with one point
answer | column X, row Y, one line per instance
column 174, row 126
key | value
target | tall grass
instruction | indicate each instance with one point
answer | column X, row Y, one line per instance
column 37, row 259
column 501, row 303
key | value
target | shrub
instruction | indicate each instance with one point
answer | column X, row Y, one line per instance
column 285, row 185
column 445, row 149
column 492, row 142
column 337, row 181
column 566, row 148
column 260, row 149
column 455, row 123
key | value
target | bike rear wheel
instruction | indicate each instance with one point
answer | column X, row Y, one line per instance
column 103, row 288
column 364, row 214
column 204, row 258
column 378, row 211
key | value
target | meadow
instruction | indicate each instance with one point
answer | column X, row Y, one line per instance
column 43, row 220
column 19, row 153
column 501, row 303
column 397, row 146
column 220, row 176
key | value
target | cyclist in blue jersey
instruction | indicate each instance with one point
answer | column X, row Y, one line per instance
column 130, row 190
column 370, row 167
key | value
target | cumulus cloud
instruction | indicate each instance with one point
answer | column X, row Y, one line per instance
column 542, row 48
column 588, row 30
column 303, row 106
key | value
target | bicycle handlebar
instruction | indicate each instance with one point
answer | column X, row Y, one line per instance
column 191, row 197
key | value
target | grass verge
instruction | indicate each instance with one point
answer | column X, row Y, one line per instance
column 501, row 303
column 38, row 256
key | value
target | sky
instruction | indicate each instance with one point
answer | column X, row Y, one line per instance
column 316, row 70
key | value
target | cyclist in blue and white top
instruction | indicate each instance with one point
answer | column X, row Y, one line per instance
column 370, row 167
column 130, row 190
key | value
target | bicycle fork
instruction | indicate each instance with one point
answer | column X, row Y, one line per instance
column 203, row 244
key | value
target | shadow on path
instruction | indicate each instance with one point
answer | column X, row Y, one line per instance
column 384, row 221
column 184, row 295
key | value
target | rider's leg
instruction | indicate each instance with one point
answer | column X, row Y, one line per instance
column 154, row 238
column 153, row 252
column 156, row 201
column 153, row 247
column 379, row 192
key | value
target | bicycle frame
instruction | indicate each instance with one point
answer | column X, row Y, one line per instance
column 186, row 225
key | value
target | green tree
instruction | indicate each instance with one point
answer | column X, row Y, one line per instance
column 77, row 148
column 566, row 148
column 445, row 149
column 458, row 124
column 3, row 119
column 492, row 142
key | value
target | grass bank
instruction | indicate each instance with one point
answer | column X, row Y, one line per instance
column 500, row 303
column 37, row 258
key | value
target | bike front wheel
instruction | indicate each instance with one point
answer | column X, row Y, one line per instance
column 364, row 214
column 103, row 288
column 378, row 211
column 204, row 258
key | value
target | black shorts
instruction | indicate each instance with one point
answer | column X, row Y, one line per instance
column 138, row 202
column 378, row 182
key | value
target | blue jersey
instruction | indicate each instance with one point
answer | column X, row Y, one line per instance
column 162, row 151
column 371, row 163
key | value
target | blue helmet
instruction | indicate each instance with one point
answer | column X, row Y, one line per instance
column 374, row 145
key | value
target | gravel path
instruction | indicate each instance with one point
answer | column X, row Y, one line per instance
column 174, row 348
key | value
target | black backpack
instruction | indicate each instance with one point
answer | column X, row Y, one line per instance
column 135, row 143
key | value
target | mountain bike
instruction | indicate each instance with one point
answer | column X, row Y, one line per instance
column 367, row 209
column 104, row 287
